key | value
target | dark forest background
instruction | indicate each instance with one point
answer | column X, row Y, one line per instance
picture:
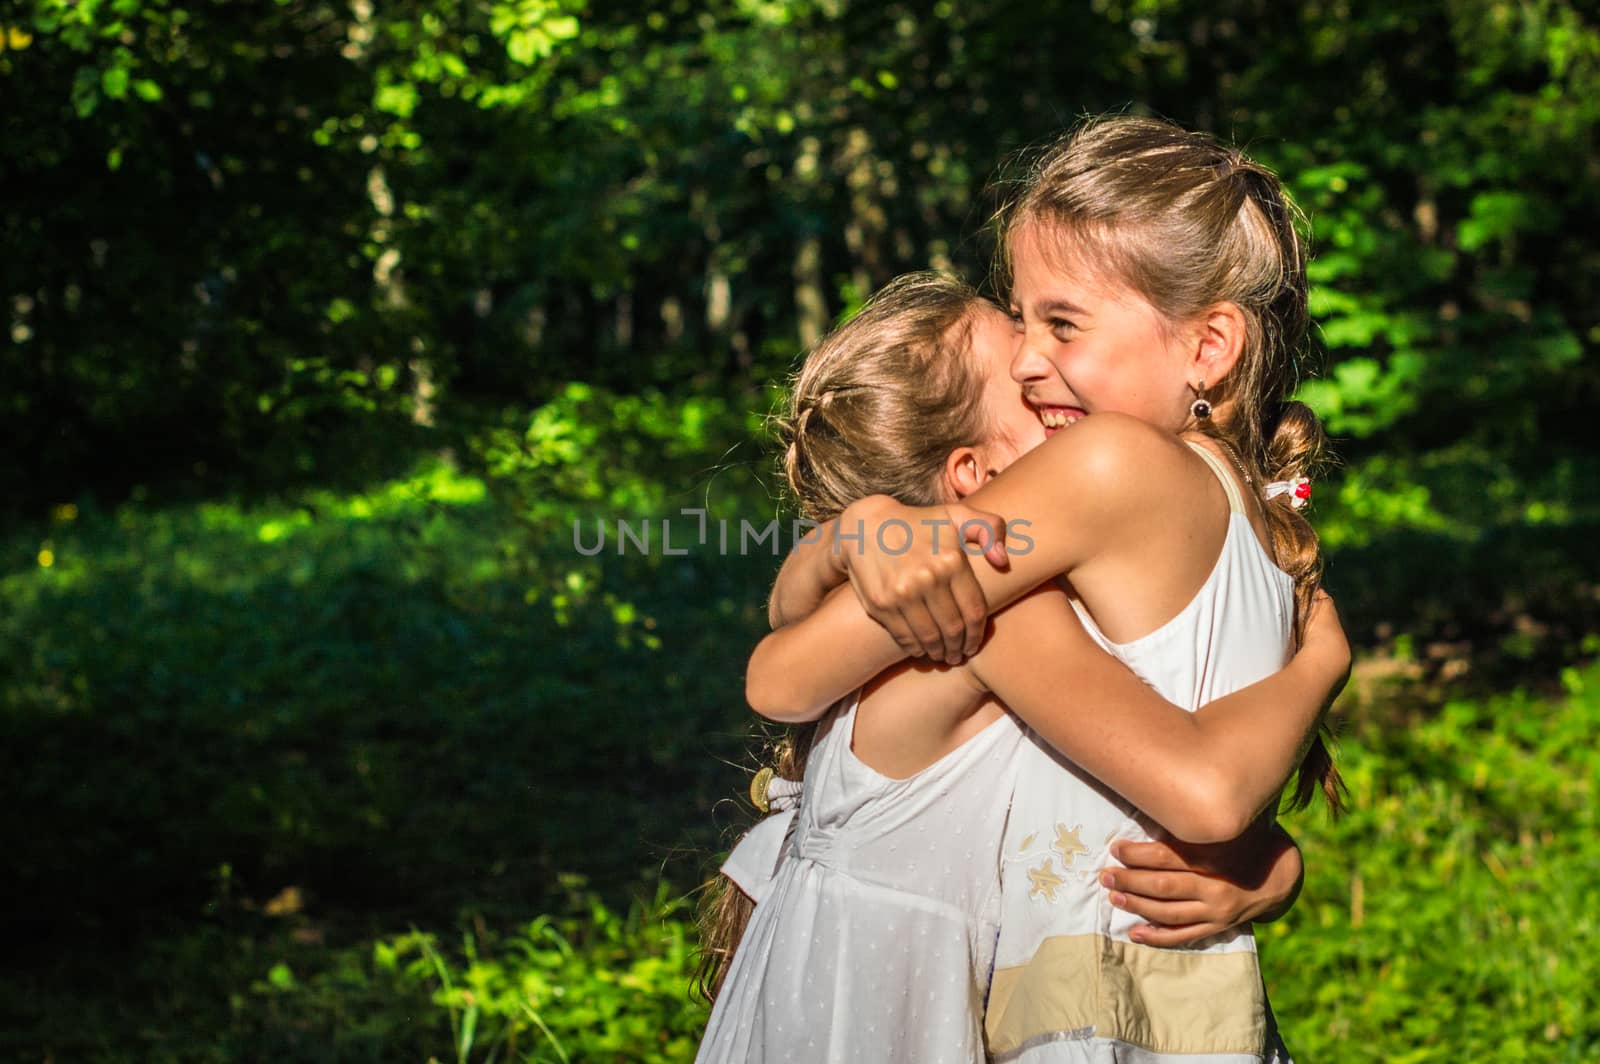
column 320, row 325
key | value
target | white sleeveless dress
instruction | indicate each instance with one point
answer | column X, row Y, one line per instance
column 873, row 940
column 1069, row 985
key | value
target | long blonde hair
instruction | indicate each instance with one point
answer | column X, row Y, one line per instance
column 1188, row 222
column 875, row 409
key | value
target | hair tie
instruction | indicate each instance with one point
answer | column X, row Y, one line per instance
column 771, row 793
column 1298, row 489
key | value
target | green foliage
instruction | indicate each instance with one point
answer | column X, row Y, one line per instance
column 591, row 985
column 433, row 203
column 304, row 670
column 299, row 727
column 349, row 311
column 1447, row 917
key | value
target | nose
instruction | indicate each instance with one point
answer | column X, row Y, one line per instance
column 1027, row 363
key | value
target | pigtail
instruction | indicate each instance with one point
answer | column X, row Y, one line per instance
column 724, row 909
column 1296, row 449
column 723, row 914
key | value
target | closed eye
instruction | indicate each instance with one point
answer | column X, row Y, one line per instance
column 1063, row 328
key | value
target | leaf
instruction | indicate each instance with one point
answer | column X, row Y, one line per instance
column 114, row 82
column 398, row 99
column 281, row 977
column 526, row 45
column 562, row 28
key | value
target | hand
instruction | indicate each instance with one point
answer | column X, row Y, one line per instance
column 1324, row 638
column 911, row 571
column 1193, row 892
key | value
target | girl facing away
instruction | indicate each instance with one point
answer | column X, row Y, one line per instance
column 1158, row 285
column 873, row 934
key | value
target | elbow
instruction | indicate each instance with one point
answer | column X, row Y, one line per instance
column 769, row 695
column 1212, row 810
column 764, row 700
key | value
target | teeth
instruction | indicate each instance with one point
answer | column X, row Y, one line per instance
column 1055, row 419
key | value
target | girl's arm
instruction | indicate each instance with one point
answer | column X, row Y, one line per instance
column 817, row 565
column 1189, row 893
column 782, row 681
column 813, row 568
column 1203, row 776
column 1079, row 492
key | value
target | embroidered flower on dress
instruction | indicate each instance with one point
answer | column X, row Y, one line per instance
column 1068, row 843
column 1043, row 882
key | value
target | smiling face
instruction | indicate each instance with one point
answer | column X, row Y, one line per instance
column 1014, row 426
column 1088, row 343
column 1007, row 427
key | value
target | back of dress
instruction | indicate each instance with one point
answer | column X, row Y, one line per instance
column 1069, row 984
column 874, row 939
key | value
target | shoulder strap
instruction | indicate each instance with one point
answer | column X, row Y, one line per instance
column 1224, row 474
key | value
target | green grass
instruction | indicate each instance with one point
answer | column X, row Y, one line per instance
column 395, row 775
column 402, row 707
column 1450, row 915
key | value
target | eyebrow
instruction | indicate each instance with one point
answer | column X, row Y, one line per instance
column 1058, row 306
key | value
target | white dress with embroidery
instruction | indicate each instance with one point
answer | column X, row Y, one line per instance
column 1069, row 985
column 873, row 940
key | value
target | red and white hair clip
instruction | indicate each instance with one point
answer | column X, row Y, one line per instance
column 1298, row 490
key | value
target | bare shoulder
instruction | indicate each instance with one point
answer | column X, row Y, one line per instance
column 1097, row 478
column 1120, row 442
column 1111, row 456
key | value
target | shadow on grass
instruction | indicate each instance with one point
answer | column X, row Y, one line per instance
column 1510, row 607
column 208, row 709
column 245, row 741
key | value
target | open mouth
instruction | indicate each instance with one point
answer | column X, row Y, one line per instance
column 1056, row 418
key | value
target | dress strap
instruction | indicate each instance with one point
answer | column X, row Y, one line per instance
column 1224, row 474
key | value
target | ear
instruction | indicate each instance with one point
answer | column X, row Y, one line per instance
column 965, row 471
column 1218, row 341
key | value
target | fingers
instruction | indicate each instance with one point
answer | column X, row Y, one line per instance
column 933, row 641
column 1166, row 913
column 1177, row 899
column 925, row 639
column 1151, row 935
column 941, row 606
column 917, row 629
column 1324, row 633
column 1156, row 854
column 974, row 609
column 1158, row 886
column 942, row 599
column 1323, row 621
column 924, row 592
column 983, row 528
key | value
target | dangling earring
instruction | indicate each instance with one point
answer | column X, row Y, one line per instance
column 1200, row 409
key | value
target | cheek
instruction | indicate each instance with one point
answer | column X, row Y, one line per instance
column 1027, row 432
